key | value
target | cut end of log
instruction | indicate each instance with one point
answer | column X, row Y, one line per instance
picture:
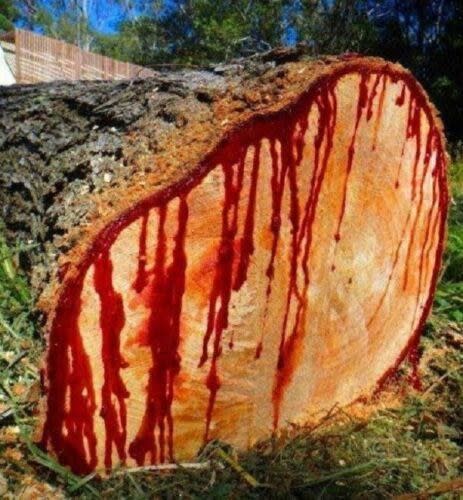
column 292, row 270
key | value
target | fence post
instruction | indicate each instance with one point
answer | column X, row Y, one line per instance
column 17, row 42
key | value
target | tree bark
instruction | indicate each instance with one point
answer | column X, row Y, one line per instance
column 223, row 251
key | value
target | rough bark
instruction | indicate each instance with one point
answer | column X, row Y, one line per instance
column 63, row 142
column 237, row 248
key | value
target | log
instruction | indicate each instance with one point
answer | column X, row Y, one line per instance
column 222, row 252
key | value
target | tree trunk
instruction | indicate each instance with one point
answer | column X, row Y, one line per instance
column 238, row 249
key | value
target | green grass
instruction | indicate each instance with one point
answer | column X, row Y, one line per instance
column 20, row 346
column 414, row 445
column 449, row 297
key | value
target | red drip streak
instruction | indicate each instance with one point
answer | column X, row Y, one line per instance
column 277, row 185
column 247, row 240
column 401, row 99
column 286, row 348
column 112, row 320
column 431, row 139
column 372, row 96
column 427, row 157
column 414, row 130
column 164, row 339
column 434, row 204
column 69, row 429
column 290, row 138
column 326, row 102
column 289, row 166
column 379, row 112
column 142, row 276
column 222, row 286
column 361, row 104
column 259, row 349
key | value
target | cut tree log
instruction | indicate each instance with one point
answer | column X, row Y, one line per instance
column 238, row 249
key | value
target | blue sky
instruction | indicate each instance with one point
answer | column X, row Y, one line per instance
column 105, row 15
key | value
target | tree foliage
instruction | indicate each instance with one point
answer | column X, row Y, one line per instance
column 80, row 22
column 425, row 36
column 8, row 14
column 331, row 27
column 198, row 31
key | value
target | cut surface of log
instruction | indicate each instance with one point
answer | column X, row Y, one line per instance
column 290, row 268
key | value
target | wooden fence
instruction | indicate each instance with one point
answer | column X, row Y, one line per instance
column 43, row 59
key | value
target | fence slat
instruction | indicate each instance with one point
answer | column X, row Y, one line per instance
column 43, row 59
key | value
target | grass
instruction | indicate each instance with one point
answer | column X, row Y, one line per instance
column 449, row 297
column 411, row 442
